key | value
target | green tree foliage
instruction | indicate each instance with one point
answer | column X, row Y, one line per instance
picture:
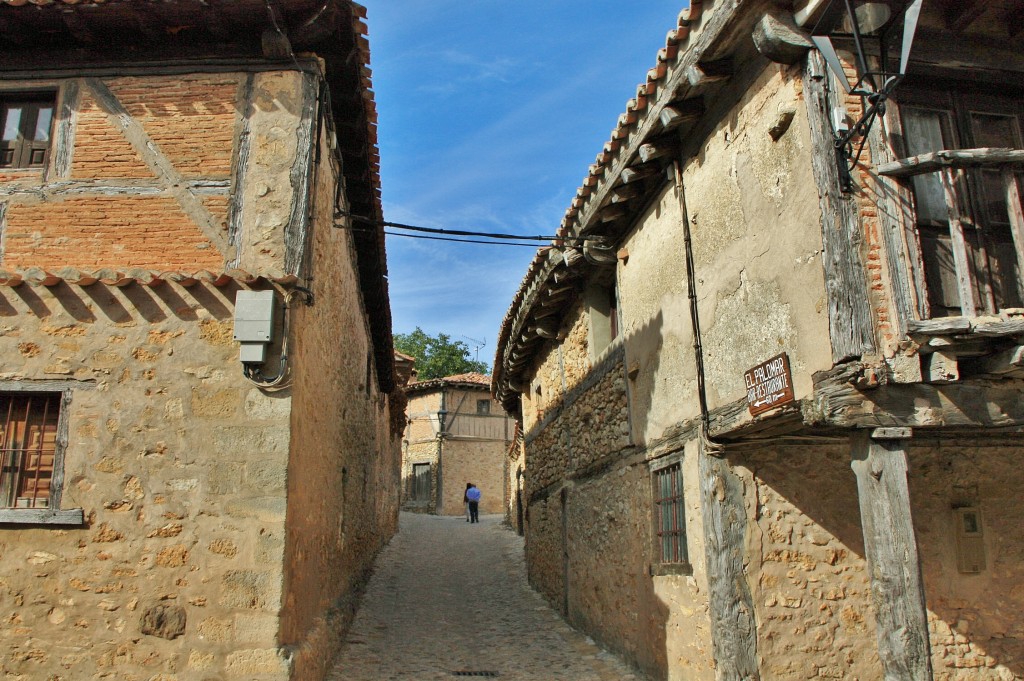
column 437, row 356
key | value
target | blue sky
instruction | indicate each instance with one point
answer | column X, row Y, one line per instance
column 490, row 113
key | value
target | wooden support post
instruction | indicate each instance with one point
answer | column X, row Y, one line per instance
column 897, row 590
column 731, row 606
column 849, row 312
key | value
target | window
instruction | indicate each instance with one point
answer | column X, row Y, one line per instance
column 669, row 516
column 965, row 238
column 25, row 123
column 602, row 302
column 31, row 458
column 483, row 407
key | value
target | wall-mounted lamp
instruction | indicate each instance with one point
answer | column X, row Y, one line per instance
column 868, row 24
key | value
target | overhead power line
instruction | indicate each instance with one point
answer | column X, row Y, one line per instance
column 463, row 241
column 457, row 232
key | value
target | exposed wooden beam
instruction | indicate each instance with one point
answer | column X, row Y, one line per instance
column 13, row 31
column 625, row 193
column 212, row 19
column 953, row 158
column 652, row 150
column 707, row 73
column 1013, row 20
column 680, row 112
column 639, row 172
column 146, row 19
column 960, row 15
column 1006, row 361
column 612, row 213
column 78, row 27
column 777, row 37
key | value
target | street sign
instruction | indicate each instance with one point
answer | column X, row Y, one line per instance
column 769, row 385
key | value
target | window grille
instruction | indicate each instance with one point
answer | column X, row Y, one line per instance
column 669, row 515
column 28, row 448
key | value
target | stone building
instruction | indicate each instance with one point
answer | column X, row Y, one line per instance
column 456, row 433
column 772, row 414
column 168, row 511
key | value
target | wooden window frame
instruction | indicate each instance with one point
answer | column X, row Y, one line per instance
column 962, row 191
column 678, row 560
column 53, row 514
column 483, row 407
column 22, row 148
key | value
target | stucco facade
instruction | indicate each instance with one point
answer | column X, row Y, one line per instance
column 457, row 434
column 200, row 523
column 860, row 529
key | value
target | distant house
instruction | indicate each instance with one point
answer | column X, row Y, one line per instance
column 456, row 434
column 175, row 176
column 772, row 414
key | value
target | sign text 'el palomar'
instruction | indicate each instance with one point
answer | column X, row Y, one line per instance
column 769, row 384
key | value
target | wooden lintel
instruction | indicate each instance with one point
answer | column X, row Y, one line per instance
column 639, row 172
column 978, row 404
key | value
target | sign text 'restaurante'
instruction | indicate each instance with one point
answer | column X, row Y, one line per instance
column 769, row 384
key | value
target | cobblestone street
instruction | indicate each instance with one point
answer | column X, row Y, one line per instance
column 448, row 596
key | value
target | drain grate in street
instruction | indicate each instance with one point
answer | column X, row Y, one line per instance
column 489, row 675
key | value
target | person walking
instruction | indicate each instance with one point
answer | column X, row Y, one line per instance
column 473, row 495
column 465, row 499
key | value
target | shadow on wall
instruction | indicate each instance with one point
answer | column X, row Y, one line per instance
column 976, row 626
column 589, row 536
column 812, row 552
column 119, row 305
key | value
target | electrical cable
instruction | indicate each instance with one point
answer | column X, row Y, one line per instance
column 457, row 232
column 463, row 241
column 252, row 372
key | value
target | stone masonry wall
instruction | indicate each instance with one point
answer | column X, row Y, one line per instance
column 660, row 623
column 975, row 623
column 805, row 565
column 179, row 465
column 344, row 463
column 479, row 462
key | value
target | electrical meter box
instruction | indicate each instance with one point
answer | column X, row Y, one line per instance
column 254, row 324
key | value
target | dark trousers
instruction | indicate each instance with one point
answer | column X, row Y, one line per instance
column 474, row 511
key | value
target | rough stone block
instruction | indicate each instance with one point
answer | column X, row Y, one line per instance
column 164, row 621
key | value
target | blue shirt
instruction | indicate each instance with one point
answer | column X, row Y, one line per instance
column 473, row 494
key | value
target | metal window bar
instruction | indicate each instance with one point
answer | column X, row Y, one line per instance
column 671, row 517
column 28, row 447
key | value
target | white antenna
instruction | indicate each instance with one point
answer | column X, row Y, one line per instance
column 480, row 344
